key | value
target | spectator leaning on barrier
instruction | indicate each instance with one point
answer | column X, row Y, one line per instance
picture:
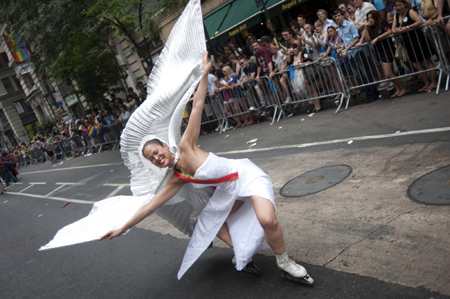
column 249, row 76
column 323, row 17
column 124, row 115
column 430, row 13
column 280, row 62
column 377, row 32
column 415, row 43
column 264, row 64
column 356, row 59
column 443, row 7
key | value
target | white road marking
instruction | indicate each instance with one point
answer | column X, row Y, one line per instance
column 70, row 168
column 54, row 198
column 72, row 184
column 31, row 185
column 48, row 194
column 119, row 187
column 336, row 141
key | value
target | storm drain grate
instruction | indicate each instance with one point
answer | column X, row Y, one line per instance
column 316, row 180
column 432, row 188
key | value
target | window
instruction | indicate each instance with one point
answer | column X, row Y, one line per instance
column 8, row 85
column 64, row 89
column 3, row 60
column 28, row 79
column 19, row 107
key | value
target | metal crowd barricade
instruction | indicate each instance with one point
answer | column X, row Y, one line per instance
column 213, row 112
column 442, row 44
column 312, row 81
column 258, row 94
column 408, row 51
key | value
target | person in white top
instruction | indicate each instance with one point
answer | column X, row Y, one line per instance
column 280, row 61
column 124, row 115
column 362, row 9
column 323, row 17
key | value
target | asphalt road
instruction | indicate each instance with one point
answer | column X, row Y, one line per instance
column 144, row 263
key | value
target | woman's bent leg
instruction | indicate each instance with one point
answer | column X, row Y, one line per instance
column 265, row 212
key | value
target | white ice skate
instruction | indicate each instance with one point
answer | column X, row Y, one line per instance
column 249, row 268
column 293, row 271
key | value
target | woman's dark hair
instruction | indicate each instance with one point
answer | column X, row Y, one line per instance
column 151, row 141
column 219, row 74
column 375, row 29
column 294, row 46
column 401, row 1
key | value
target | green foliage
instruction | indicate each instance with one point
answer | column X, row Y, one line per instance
column 47, row 125
column 72, row 40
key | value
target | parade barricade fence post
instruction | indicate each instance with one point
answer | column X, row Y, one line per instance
column 314, row 81
column 442, row 43
column 399, row 51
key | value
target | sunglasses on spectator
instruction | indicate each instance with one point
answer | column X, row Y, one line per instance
column 342, row 8
column 241, row 63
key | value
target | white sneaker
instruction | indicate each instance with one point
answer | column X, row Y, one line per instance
column 390, row 86
column 252, row 108
column 218, row 128
column 383, row 86
column 288, row 100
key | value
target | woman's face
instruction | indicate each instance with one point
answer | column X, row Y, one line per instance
column 296, row 51
column 370, row 20
column 159, row 155
column 399, row 7
column 319, row 28
column 331, row 33
column 351, row 9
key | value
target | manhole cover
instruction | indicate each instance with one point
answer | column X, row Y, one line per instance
column 315, row 180
column 432, row 188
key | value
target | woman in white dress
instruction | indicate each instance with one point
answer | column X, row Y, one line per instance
column 223, row 215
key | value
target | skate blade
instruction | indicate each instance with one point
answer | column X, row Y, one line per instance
column 251, row 268
column 305, row 279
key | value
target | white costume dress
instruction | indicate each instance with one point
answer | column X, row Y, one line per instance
column 246, row 233
column 171, row 83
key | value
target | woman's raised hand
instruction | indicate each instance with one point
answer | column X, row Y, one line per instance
column 206, row 63
column 112, row 234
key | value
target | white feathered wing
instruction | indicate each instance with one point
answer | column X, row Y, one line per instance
column 170, row 85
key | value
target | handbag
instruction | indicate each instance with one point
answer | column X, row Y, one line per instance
column 400, row 52
column 326, row 62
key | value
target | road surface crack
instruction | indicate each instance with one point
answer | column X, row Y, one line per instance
column 370, row 234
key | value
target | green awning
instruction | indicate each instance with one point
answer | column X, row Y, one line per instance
column 236, row 16
column 282, row 6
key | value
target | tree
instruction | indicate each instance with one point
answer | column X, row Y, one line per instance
column 70, row 40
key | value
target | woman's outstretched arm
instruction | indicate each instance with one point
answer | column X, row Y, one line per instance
column 190, row 136
column 173, row 186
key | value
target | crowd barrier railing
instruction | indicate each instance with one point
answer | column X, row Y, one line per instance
column 394, row 57
column 311, row 82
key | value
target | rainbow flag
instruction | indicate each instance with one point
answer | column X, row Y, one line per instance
column 72, row 145
column 91, row 130
column 99, row 128
column 73, row 115
column 18, row 50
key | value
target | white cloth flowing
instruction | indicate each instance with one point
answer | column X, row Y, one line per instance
column 199, row 212
column 298, row 84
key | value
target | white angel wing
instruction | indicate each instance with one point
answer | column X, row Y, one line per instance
column 171, row 83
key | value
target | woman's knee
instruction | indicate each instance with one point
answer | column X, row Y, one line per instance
column 269, row 222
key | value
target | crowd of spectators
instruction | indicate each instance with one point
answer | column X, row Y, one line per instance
column 74, row 137
column 372, row 42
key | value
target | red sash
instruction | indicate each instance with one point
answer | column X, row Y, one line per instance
column 188, row 178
